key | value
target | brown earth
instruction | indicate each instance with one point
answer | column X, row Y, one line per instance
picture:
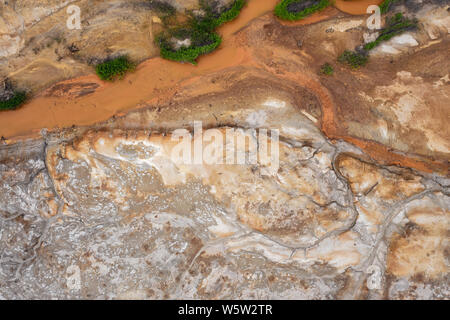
column 358, row 207
column 268, row 45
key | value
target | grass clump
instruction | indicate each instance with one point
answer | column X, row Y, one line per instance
column 327, row 69
column 118, row 67
column 198, row 34
column 201, row 43
column 293, row 10
column 387, row 5
column 353, row 59
column 212, row 19
column 18, row 98
column 395, row 26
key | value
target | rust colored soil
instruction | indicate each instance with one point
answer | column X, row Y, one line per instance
column 86, row 100
column 153, row 79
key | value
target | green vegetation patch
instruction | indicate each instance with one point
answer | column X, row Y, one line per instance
column 387, row 5
column 201, row 43
column 14, row 102
column 293, row 10
column 114, row 68
column 353, row 59
column 212, row 20
column 395, row 26
column 198, row 34
column 327, row 69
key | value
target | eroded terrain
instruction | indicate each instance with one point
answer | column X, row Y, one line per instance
column 358, row 208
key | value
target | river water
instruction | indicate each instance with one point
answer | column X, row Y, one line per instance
column 152, row 79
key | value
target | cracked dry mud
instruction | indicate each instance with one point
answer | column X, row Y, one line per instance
column 358, row 209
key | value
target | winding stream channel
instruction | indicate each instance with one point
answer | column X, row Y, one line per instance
column 152, row 80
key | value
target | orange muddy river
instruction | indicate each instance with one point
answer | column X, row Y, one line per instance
column 152, row 79
column 355, row 6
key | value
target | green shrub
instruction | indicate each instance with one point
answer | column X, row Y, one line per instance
column 327, row 69
column 371, row 45
column 395, row 26
column 14, row 102
column 200, row 31
column 282, row 9
column 353, row 59
column 191, row 53
column 386, row 5
column 111, row 69
column 212, row 20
